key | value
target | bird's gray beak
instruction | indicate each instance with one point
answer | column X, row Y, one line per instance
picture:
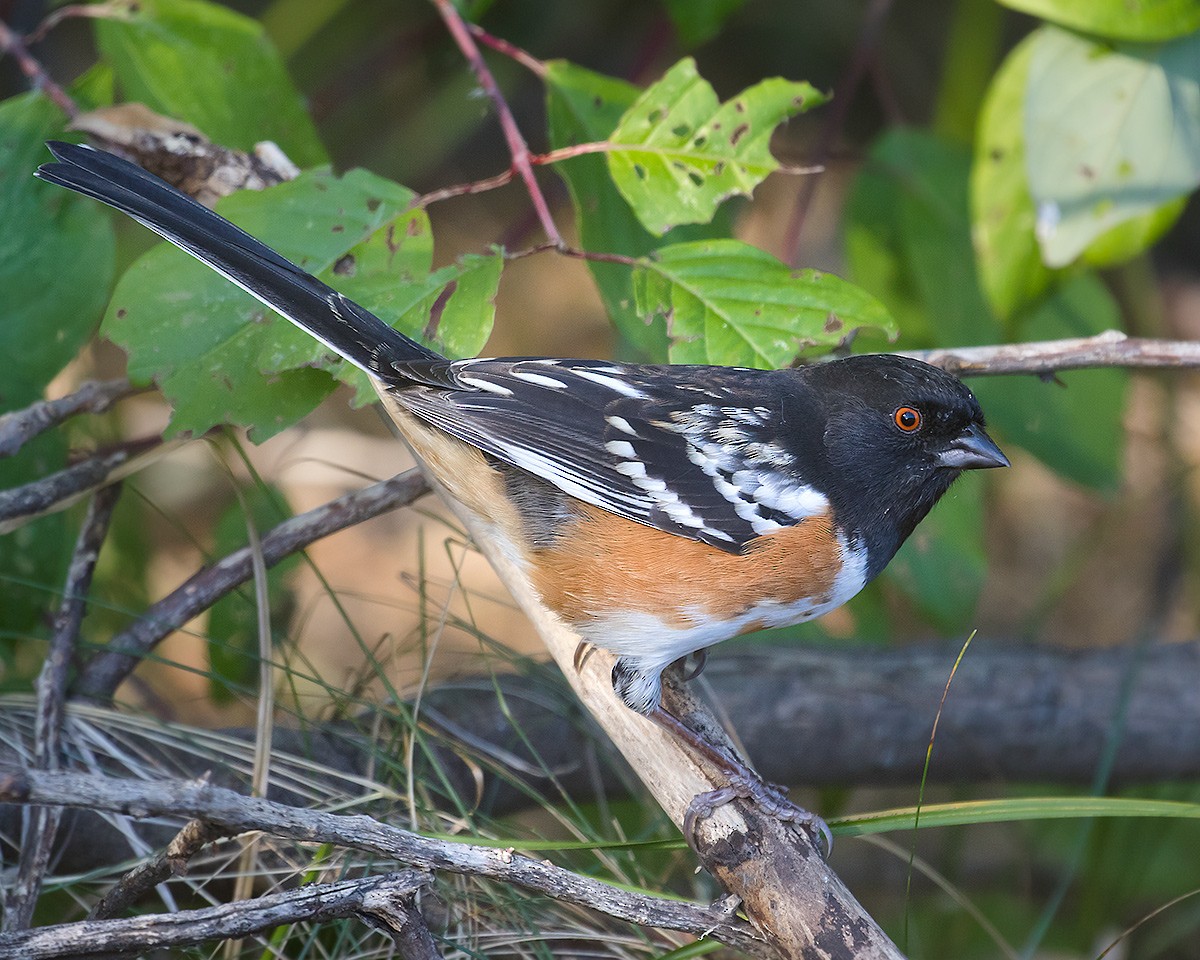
column 972, row 450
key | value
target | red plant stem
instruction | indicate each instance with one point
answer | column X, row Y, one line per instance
column 510, row 50
column 11, row 42
column 517, row 147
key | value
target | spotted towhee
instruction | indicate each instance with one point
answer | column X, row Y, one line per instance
column 655, row 509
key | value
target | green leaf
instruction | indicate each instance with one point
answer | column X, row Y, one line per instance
column 726, row 302
column 224, row 358
column 677, row 153
column 212, row 67
column 697, row 21
column 584, row 107
column 48, row 233
column 1144, row 20
column 908, row 239
column 1002, row 210
column 942, row 566
column 1111, row 133
column 1073, row 422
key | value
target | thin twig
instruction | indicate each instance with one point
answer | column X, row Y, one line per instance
column 1109, row 349
column 575, row 253
column 510, row 50
column 41, row 827
column 463, row 189
column 517, row 147
column 839, row 110
column 96, row 11
column 370, row 898
column 21, row 426
column 232, row 811
column 193, row 837
column 105, row 671
column 10, row 42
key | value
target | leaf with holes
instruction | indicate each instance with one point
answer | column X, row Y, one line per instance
column 583, row 107
column 678, row 153
column 726, row 302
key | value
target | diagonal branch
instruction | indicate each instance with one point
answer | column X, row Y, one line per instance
column 107, row 669
column 21, row 426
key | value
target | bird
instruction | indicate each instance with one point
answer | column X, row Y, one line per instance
column 656, row 510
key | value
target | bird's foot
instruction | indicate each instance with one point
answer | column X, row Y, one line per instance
column 770, row 798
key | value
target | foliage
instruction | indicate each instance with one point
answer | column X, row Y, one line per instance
column 1085, row 154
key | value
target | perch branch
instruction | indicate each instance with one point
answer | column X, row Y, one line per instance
column 234, row 812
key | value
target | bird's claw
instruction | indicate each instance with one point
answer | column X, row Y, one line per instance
column 769, row 798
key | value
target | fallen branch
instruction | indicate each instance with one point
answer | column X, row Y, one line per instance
column 232, row 811
column 374, row 898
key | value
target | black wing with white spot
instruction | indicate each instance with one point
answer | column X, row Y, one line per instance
column 683, row 449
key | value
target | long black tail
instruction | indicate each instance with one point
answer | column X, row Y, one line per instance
column 339, row 323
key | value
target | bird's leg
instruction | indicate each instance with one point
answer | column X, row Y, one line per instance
column 743, row 784
column 687, row 675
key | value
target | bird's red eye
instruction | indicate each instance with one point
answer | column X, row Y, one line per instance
column 907, row 419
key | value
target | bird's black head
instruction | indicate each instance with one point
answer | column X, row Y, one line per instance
column 897, row 434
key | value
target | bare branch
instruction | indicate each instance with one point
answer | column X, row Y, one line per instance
column 1109, row 349
column 21, row 426
column 107, row 669
column 193, row 837
column 20, row 505
column 234, row 812
column 374, row 898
